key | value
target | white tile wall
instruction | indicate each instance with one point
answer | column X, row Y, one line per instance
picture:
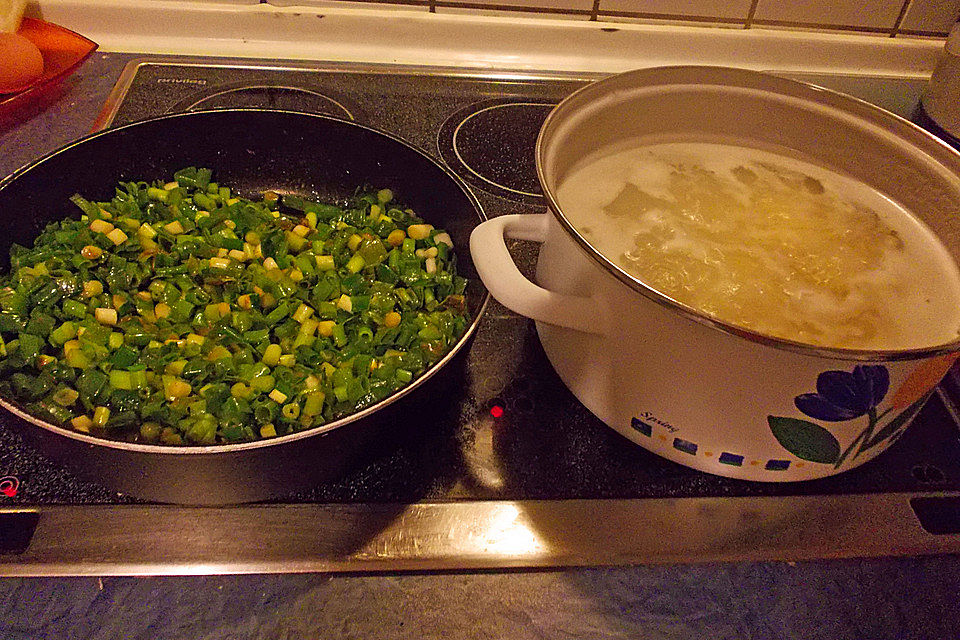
column 931, row 15
column 562, row 5
column 872, row 14
column 917, row 18
column 731, row 9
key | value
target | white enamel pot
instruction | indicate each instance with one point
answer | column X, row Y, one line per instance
column 682, row 384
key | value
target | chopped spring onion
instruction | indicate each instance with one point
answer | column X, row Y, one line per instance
column 180, row 313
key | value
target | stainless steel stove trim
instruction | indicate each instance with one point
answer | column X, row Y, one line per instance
column 124, row 82
column 469, row 535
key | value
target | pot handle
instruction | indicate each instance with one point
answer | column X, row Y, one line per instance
column 513, row 290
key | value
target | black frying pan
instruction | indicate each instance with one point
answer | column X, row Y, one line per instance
column 251, row 151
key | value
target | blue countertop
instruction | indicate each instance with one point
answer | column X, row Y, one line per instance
column 915, row 598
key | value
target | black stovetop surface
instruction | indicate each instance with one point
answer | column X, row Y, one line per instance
column 545, row 445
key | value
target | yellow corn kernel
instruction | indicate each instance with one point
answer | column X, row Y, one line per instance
column 312, row 382
column 354, row 242
column 237, row 255
column 271, row 355
column 118, row 300
column 396, row 237
column 244, row 301
column 117, row 237
column 224, row 308
column 196, row 339
column 445, row 238
column 219, row 263
column 302, row 313
column 430, row 253
column 105, row 316
column 391, row 319
column 82, row 424
column 146, row 231
column 419, row 231
column 91, row 252
column 174, row 228
column 230, row 224
column 162, row 310
column 146, row 296
column 277, row 396
column 269, row 264
column 301, row 230
column 325, row 328
column 175, row 388
column 325, row 263
column 92, row 288
column 101, row 226
column 288, row 360
column 296, row 275
column 345, row 303
column 223, row 253
column 268, row 431
column 100, row 416
column 430, row 265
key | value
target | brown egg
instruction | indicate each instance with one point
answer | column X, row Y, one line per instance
column 20, row 62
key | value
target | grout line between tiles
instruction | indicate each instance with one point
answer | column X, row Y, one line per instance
column 751, row 12
column 899, row 21
column 670, row 16
column 490, row 6
column 824, row 27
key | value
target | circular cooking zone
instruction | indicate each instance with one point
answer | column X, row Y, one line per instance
column 267, row 97
column 491, row 144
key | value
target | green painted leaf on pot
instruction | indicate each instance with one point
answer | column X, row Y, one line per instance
column 806, row 440
column 898, row 422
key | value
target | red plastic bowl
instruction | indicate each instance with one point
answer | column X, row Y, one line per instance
column 63, row 51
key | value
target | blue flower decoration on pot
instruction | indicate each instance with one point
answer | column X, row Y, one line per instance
column 843, row 395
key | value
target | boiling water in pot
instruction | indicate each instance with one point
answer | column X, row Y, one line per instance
column 766, row 242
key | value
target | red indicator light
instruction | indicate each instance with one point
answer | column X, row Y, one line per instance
column 9, row 486
column 496, row 411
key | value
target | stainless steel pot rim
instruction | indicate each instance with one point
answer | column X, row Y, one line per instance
column 703, row 78
column 308, row 433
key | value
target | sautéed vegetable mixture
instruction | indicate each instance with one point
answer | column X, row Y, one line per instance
column 178, row 313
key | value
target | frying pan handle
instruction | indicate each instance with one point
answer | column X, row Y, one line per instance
column 513, row 290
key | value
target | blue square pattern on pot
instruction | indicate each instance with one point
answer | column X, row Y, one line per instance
column 777, row 465
column 732, row 459
column 685, row 446
column 641, row 426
